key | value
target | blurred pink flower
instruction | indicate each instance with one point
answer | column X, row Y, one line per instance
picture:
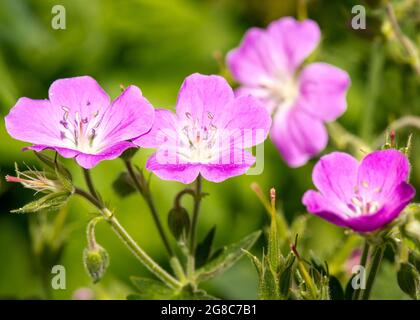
column 208, row 134
column 364, row 197
column 79, row 120
column 267, row 64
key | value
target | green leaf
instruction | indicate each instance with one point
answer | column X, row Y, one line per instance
column 178, row 222
column 348, row 292
column 51, row 201
column 409, row 280
column 274, row 253
column 204, row 248
column 230, row 255
column 335, row 288
column 268, row 287
column 255, row 261
column 123, row 185
column 285, row 279
column 155, row 290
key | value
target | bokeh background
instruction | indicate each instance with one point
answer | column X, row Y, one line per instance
column 155, row 44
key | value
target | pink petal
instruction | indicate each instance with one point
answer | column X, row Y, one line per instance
column 319, row 205
column 335, row 176
column 297, row 39
column 203, row 98
column 221, row 172
column 257, row 59
column 35, row 121
column 323, row 89
column 163, row 130
column 397, row 201
column 380, row 172
column 185, row 173
column 298, row 136
column 88, row 161
column 245, row 121
column 79, row 94
column 129, row 116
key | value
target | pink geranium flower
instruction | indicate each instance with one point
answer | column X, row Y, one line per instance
column 208, row 133
column 267, row 65
column 79, row 120
column 364, row 197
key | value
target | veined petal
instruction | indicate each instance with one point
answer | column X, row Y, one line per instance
column 245, row 121
column 35, row 121
column 335, row 175
column 203, row 98
column 297, row 39
column 323, row 90
column 298, row 136
column 380, row 172
column 185, row 173
column 319, row 205
column 164, row 130
column 221, row 172
column 129, row 117
column 397, row 201
column 79, row 94
column 88, row 161
column 257, row 59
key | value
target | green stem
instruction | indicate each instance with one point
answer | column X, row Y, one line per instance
column 374, row 267
column 138, row 252
column 89, row 183
column 145, row 193
column 363, row 260
column 192, row 234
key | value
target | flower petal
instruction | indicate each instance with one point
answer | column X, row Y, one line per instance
column 79, row 94
column 64, row 152
column 297, row 39
column 323, row 90
column 245, row 121
column 397, row 201
column 335, row 176
column 163, row 129
column 185, row 173
column 35, row 121
column 88, row 161
column 129, row 116
column 298, row 136
column 380, row 172
column 221, row 172
column 318, row 205
column 257, row 59
column 203, row 98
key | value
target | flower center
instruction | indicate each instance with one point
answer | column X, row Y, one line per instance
column 361, row 207
column 79, row 132
column 281, row 91
column 198, row 141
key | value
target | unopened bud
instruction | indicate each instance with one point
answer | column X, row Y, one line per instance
column 178, row 221
column 96, row 261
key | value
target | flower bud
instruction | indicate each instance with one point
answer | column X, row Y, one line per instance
column 178, row 221
column 96, row 261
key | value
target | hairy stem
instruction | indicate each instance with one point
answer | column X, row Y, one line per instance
column 374, row 267
column 192, row 234
column 138, row 252
column 144, row 191
column 363, row 261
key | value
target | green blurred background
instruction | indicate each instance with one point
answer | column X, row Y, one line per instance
column 155, row 44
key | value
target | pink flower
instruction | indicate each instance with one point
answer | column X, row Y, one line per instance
column 267, row 65
column 208, row 133
column 364, row 197
column 79, row 120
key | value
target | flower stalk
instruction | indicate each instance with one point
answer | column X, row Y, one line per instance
column 138, row 252
column 378, row 254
